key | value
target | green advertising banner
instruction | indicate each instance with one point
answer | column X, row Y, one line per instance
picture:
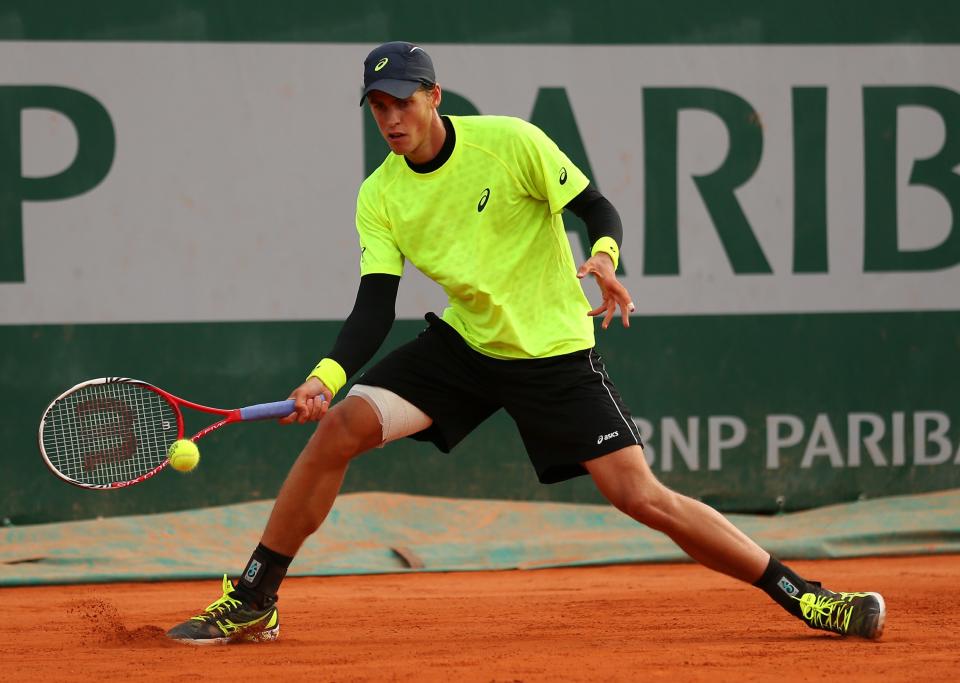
column 177, row 186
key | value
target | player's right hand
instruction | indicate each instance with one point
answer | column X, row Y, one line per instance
column 311, row 402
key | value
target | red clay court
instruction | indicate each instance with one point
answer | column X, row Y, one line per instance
column 674, row 622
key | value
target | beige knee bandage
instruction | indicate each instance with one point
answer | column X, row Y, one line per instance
column 398, row 417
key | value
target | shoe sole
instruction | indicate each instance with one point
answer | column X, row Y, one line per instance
column 236, row 639
column 881, row 617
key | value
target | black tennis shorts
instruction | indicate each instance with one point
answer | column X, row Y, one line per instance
column 566, row 408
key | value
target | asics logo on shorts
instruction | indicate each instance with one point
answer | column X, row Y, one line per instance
column 606, row 437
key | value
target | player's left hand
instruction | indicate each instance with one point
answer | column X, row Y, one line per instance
column 600, row 265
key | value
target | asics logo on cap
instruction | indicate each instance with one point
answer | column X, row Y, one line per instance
column 397, row 68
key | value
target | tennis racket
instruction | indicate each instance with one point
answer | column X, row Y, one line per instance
column 113, row 432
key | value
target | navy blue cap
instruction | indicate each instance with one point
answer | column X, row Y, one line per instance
column 398, row 69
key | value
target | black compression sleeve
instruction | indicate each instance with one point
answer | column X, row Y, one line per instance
column 368, row 323
column 599, row 214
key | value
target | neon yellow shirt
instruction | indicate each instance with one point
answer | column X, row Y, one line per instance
column 487, row 227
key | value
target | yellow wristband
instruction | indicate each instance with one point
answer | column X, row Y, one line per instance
column 331, row 374
column 608, row 246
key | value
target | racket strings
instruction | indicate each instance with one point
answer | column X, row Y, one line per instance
column 105, row 433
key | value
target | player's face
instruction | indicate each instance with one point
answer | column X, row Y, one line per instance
column 407, row 124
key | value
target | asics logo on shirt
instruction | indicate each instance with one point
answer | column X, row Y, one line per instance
column 563, row 175
column 483, row 200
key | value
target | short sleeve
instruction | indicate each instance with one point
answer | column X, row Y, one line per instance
column 546, row 172
column 379, row 252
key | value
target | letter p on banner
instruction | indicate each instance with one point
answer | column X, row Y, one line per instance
column 96, row 144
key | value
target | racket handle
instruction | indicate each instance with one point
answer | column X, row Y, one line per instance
column 267, row 411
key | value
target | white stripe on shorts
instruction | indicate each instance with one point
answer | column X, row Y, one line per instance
column 630, row 426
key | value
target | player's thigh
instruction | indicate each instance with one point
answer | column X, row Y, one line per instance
column 624, row 477
column 398, row 417
column 441, row 377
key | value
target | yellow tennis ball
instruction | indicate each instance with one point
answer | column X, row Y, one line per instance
column 183, row 455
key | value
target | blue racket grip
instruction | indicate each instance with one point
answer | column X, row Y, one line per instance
column 267, row 411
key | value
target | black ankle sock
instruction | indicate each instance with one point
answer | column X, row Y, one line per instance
column 261, row 577
column 783, row 585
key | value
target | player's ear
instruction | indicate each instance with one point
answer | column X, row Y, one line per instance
column 437, row 95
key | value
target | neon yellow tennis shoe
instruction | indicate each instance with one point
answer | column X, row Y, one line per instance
column 849, row 614
column 229, row 620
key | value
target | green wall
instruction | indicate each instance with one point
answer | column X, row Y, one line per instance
column 665, row 366
column 681, row 368
column 496, row 21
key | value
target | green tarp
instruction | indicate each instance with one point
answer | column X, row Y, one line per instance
column 380, row 533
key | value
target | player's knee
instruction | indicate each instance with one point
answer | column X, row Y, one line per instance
column 650, row 505
column 339, row 437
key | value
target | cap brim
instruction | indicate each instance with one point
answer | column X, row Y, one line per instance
column 392, row 86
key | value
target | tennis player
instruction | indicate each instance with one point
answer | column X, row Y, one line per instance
column 475, row 203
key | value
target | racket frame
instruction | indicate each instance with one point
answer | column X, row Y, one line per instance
column 259, row 412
